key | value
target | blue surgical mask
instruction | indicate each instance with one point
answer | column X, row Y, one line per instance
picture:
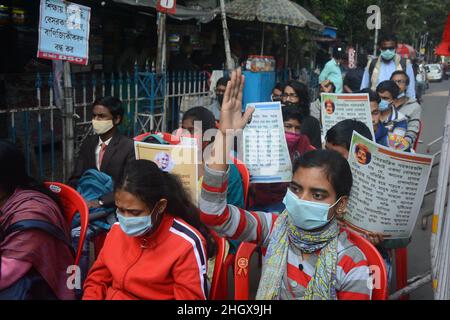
column 135, row 226
column 388, row 54
column 307, row 215
column 383, row 105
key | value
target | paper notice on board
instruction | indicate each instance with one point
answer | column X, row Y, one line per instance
column 64, row 31
column 338, row 107
column 388, row 188
column 180, row 160
column 266, row 152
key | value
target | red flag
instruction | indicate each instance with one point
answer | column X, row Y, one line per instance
column 444, row 47
column 167, row 6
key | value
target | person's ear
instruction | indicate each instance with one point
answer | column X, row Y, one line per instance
column 161, row 206
column 342, row 207
column 117, row 120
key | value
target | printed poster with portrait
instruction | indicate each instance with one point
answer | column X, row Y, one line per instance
column 388, row 188
column 180, row 160
column 338, row 107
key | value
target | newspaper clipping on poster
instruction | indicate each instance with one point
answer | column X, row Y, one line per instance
column 64, row 31
column 338, row 107
column 388, row 188
column 176, row 159
column 266, row 152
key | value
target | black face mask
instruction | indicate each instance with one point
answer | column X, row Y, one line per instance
column 220, row 99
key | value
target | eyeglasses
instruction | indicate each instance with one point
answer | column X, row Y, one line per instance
column 400, row 81
column 218, row 92
column 289, row 95
column 388, row 48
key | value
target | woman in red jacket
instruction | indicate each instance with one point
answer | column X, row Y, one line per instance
column 157, row 250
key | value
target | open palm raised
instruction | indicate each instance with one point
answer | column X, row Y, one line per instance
column 231, row 117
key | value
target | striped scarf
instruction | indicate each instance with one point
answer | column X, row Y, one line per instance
column 323, row 283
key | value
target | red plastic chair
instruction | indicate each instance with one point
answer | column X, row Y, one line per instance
column 72, row 203
column 401, row 269
column 374, row 258
column 245, row 251
column 242, row 270
column 169, row 138
column 217, row 292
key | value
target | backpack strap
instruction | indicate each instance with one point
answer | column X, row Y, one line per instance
column 38, row 225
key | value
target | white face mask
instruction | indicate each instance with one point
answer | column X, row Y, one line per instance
column 101, row 127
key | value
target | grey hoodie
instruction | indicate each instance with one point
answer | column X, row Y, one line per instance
column 412, row 110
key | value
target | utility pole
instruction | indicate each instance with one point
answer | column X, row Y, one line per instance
column 67, row 115
column 226, row 36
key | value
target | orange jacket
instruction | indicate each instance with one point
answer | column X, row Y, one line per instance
column 170, row 264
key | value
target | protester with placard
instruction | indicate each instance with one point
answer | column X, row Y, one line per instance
column 339, row 137
column 395, row 121
column 408, row 106
column 269, row 196
column 296, row 94
column 320, row 253
column 159, row 248
column 316, row 107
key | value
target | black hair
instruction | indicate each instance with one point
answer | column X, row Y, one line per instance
column 403, row 73
column 341, row 133
column 113, row 104
column 303, row 94
column 223, row 81
column 13, row 173
column 201, row 114
column 278, row 86
column 291, row 112
column 338, row 53
column 334, row 165
column 373, row 95
column 387, row 37
column 144, row 180
column 389, row 86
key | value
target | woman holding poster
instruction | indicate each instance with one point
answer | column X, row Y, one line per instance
column 309, row 257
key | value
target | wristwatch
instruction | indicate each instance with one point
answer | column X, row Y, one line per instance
column 100, row 202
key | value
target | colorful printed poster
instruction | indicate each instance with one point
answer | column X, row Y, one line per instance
column 388, row 188
column 266, row 153
column 64, row 31
column 338, row 107
column 179, row 159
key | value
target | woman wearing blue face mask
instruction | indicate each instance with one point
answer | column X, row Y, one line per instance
column 308, row 256
column 157, row 251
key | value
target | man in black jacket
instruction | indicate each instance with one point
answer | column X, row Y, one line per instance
column 107, row 151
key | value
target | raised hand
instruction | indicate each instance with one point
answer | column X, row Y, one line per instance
column 231, row 117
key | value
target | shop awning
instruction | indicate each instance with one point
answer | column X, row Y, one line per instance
column 183, row 13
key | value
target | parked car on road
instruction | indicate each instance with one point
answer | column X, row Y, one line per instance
column 434, row 72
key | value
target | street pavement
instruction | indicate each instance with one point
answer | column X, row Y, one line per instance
column 433, row 118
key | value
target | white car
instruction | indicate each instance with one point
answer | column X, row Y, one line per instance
column 434, row 72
